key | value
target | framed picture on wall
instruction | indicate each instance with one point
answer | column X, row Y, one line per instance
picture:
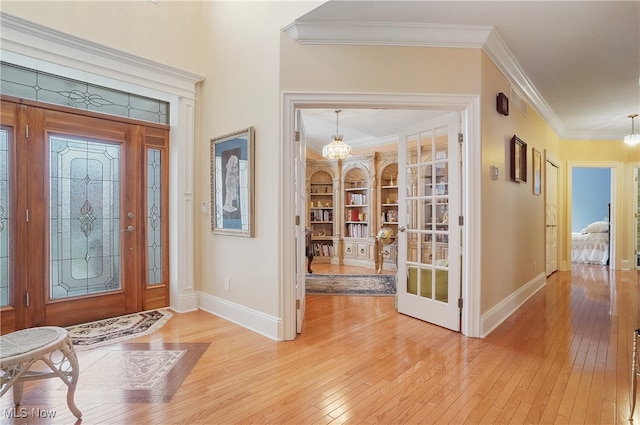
column 232, row 181
column 518, row 160
column 537, row 171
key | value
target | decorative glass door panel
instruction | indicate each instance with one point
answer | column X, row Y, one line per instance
column 85, row 217
column 5, row 229
column 429, row 277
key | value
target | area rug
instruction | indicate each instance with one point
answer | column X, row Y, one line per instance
column 136, row 372
column 351, row 284
column 109, row 331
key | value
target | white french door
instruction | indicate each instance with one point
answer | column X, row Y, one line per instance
column 301, row 224
column 429, row 237
column 551, row 218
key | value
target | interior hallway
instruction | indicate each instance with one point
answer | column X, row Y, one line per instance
column 563, row 357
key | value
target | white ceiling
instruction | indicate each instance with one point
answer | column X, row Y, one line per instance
column 577, row 63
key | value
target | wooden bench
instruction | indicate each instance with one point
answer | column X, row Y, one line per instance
column 20, row 350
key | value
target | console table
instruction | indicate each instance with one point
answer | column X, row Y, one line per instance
column 51, row 345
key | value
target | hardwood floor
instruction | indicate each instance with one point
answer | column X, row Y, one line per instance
column 563, row 357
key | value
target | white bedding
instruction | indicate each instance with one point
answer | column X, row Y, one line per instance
column 590, row 248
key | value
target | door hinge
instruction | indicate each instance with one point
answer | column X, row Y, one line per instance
column 459, row 302
column 297, row 304
column 26, row 299
column 297, row 220
column 460, row 220
column 460, row 137
column 297, row 136
column 26, row 215
column 26, row 131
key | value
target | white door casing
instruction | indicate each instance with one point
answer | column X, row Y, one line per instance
column 469, row 108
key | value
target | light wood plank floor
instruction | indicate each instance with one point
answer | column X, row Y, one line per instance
column 563, row 357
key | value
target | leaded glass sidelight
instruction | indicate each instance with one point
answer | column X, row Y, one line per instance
column 4, row 218
column 85, row 217
column 154, row 217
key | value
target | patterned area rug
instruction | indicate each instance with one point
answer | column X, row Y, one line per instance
column 136, row 372
column 109, row 331
column 350, row 284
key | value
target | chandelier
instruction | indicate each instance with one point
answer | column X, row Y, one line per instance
column 633, row 138
column 337, row 149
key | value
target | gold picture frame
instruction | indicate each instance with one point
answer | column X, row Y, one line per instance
column 232, row 183
column 518, row 160
column 537, row 171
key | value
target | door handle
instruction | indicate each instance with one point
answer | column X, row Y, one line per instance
column 402, row 229
column 128, row 229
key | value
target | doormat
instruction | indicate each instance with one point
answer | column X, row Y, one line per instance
column 351, row 284
column 136, row 372
column 109, row 331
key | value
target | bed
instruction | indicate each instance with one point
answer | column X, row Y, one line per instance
column 591, row 245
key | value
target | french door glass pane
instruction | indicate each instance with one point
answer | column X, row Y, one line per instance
column 4, row 218
column 154, row 223
column 428, row 215
column 85, row 217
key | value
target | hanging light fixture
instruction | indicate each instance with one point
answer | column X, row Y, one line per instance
column 337, row 149
column 633, row 138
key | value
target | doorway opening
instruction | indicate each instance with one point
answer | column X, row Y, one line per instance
column 592, row 233
column 293, row 279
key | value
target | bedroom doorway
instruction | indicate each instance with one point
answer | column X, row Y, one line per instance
column 591, row 197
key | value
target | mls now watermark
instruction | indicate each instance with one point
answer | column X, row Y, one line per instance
column 24, row 412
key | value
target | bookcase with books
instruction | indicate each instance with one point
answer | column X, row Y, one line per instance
column 357, row 240
column 356, row 204
column 388, row 206
column 321, row 215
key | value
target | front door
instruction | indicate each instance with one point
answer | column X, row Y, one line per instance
column 429, row 274
column 80, row 212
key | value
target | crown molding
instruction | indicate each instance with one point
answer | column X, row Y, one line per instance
column 486, row 38
column 27, row 38
column 388, row 34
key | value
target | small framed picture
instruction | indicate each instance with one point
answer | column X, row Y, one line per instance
column 518, row 160
column 537, row 172
column 232, row 180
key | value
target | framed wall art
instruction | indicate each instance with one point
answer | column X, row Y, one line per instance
column 518, row 160
column 537, row 171
column 232, row 181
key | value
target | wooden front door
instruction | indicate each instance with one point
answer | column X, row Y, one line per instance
column 80, row 222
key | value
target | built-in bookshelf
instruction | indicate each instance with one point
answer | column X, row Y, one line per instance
column 389, row 197
column 356, row 204
column 321, row 214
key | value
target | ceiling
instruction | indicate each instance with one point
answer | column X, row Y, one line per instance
column 577, row 63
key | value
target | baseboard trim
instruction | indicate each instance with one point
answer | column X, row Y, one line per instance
column 499, row 313
column 253, row 320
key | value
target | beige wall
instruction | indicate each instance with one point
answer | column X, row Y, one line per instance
column 513, row 228
column 241, row 89
column 167, row 32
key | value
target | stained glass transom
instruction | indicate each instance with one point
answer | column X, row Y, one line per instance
column 4, row 218
column 30, row 84
column 85, row 217
column 154, row 223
